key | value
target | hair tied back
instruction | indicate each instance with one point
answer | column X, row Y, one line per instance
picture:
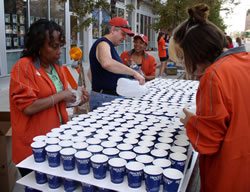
column 199, row 13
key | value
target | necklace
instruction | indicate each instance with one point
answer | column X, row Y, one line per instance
column 48, row 69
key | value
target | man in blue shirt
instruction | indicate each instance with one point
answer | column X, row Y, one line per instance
column 106, row 65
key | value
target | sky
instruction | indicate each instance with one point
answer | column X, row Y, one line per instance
column 236, row 20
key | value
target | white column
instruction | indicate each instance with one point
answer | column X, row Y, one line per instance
column 134, row 15
column 88, row 41
column 3, row 57
column 67, row 31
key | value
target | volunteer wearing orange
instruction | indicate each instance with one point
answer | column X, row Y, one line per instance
column 162, row 52
column 38, row 90
column 139, row 57
column 219, row 130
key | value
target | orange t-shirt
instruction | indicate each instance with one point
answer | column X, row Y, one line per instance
column 220, row 130
column 28, row 83
column 148, row 66
column 161, row 48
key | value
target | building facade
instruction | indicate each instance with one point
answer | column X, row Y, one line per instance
column 17, row 15
column 247, row 24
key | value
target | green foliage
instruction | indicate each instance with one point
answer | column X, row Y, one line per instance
column 82, row 9
column 129, row 8
column 173, row 12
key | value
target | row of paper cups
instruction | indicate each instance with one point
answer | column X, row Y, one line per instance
column 69, row 185
column 136, row 172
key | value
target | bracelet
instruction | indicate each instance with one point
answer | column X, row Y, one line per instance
column 52, row 99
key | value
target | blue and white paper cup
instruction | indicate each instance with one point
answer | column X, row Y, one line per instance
column 69, row 185
column 181, row 137
column 171, row 179
column 70, row 132
column 163, row 146
column 80, row 146
column 175, row 149
column 148, row 138
column 125, row 147
column 88, row 187
column 139, row 150
column 117, row 169
column 134, row 174
column 68, row 158
column 127, row 155
column 99, row 164
column 83, row 162
column 153, row 177
column 57, row 130
column 93, row 141
column 162, row 162
column 40, row 138
column 30, row 189
column 53, row 155
column 167, row 140
column 52, row 141
column 117, row 139
column 145, row 159
column 77, row 139
column 111, row 152
column 132, row 135
column 178, row 160
column 65, row 143
column 54, row 182
column 101, row 189
column 95, row 149
column 53, row 134
column 108, row 144
column 38, row 150
column 77, row 127
column 181, row 143
column 132, row 141
column 159, row 153
column 85, row 133
column 65, row 137
column 146, row 143
column 40, row 177
column 65, row 126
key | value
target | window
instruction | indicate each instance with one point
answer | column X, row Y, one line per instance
column 105, row 21
column 15, row 23
column 57, row 12
column 96, row 23
column 38, row 10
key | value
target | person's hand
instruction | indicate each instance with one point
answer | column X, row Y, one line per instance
column 69, row 96
column 188, row 114
column 139, row 77
column 85, row 96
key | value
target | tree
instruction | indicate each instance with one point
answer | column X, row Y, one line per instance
column 173, row 12
column 83, row 8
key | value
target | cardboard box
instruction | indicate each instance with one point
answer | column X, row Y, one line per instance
column 171, row 70
column 8, row 170
column 5, row 140
column 8, row 178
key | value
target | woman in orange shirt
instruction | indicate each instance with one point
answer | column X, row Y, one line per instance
column 38, row 90
column 138, row 57
column 219, row 130
column 162, row 52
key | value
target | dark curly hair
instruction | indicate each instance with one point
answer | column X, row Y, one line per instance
column 202, row 41
column 36, row 36
column 160, row 35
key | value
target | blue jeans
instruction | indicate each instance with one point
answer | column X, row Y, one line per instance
column 97, row 99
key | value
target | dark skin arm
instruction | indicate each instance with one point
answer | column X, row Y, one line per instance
column 50, row 101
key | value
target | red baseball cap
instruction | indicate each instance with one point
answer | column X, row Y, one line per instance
column 123, row 24
column 143, row 37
